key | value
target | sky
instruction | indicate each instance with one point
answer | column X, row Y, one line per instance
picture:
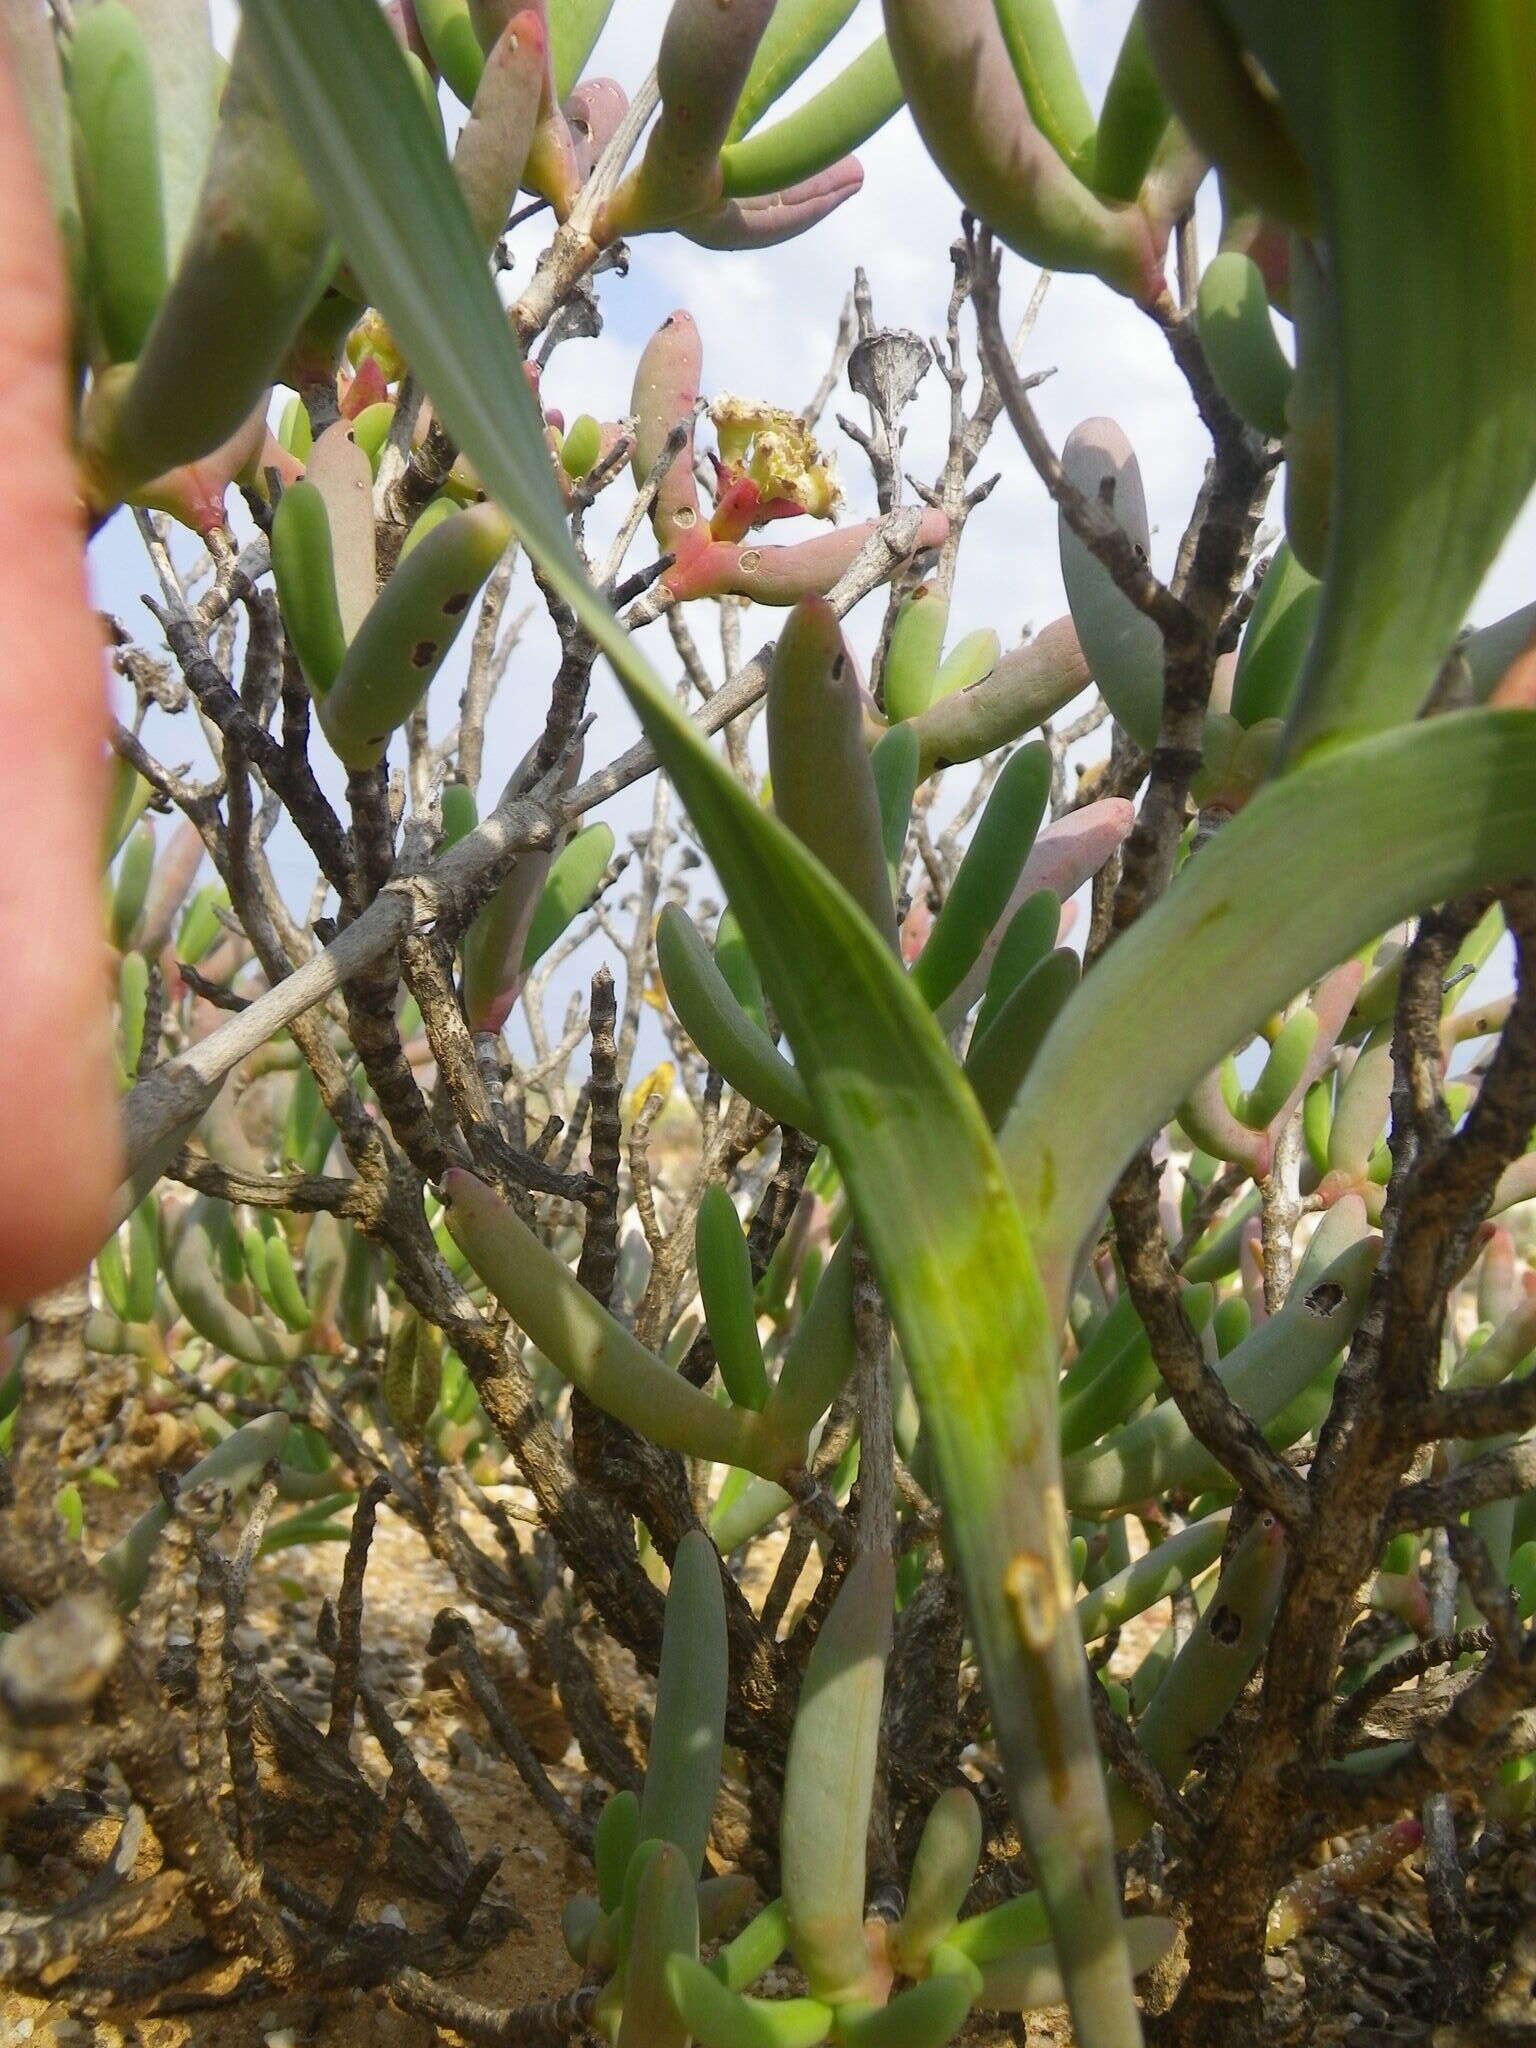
column 767, row 322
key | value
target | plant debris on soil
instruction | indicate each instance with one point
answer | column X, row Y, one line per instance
column 1368, row 1972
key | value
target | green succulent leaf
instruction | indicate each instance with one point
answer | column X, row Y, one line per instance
column 730, row 1310
column 720, row 2018
column 1416, row 123
column 797, row 34
column 574, row 28
column 615, row 1841
column 829, row 1781
column 942, row 1870
column 682, row 1776
column 236, row 1462
column 1363, row 836
column 821, row 130
column 1042, row 58
column 757, row 1948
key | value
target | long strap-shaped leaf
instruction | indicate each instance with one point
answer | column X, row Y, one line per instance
column 919, row 1163
column 1312, row 868
column 924, row 1179
column 1416, row 117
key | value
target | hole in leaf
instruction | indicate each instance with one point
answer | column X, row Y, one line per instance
column 1225, row 1625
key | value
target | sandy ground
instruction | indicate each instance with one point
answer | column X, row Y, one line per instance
column 1383, row 1941
column 406, row 1587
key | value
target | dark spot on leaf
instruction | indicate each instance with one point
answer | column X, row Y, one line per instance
column 839, row 663
column 423, row 654
column 1214, row 915
column 1324, row 1299
column 452, row 606
column 1225, row 1625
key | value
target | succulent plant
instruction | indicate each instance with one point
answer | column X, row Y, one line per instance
column 1026, row 1287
